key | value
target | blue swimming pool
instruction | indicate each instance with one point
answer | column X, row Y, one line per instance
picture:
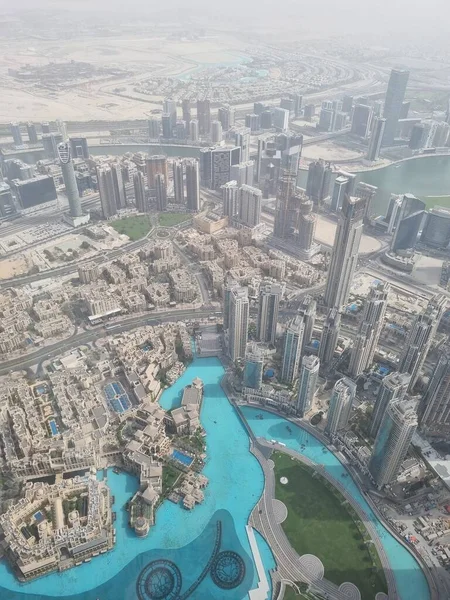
column 53, row 427
column 182, row 458
column 411, row 582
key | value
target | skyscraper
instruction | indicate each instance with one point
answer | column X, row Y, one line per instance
column 139, row 192
column 345, row 252
column 70, row 182
column 154, row 128
column 178, row 181
column 373, row 152
column 237, row 322
column 307, row 222
column 216, row 129
column 330, row 337
column 269, row 303
column 293, row 340
column 307, row 311
column 280, row 119
column 106, row 191
column 339, row 192
column 307, row 384
column 285, row 192
column 410, row 219
column 221, row 161
column 225, row 115
column 367, row 192
column 393, row 103
column 341, row 402
column 393, row 387
column 16, row 134
column 242, row 173
column 420, row 338
column 204, row 116
column 160, row 192
column 230, row 198
column 361, row 120
column 186, row 110
column 435, row 405
column 119, row 186
column 167, row 129
column 253, row 370
column 79, row 147
column 155, row 164
column 194, row 130
column 192, row 184
column 319, row 181
column 32, row 133
column 298, row 101
column 370, row 329
column 250, row 199
column 242, row 139
column 170, row 108
column 394, row 437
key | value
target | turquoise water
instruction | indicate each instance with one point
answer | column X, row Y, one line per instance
column 113, row 576
column 411, row 582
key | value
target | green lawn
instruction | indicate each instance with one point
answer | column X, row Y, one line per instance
column 318, row 523
column 171, row 219
column 169, row 476
column 134, row 227
column 291, row 595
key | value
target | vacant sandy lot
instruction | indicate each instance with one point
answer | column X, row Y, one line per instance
column 326, row 229
column 329, row 151
column 12, row 267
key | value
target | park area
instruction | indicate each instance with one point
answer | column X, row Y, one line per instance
column 135, row 227
column 321, row 523
column 172, row 219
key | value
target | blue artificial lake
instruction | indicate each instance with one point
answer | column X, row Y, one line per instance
column 214, row 533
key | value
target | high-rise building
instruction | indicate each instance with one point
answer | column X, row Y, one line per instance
column 45, row 127
column 435, row 405
column 230, row 198
column 309, row 112
column 222, row 159
column 178, row 181
column 394, row 437
column 420, row 338
column 242, row 139
column 266, row 119
column 7, row 206
column 252, row 121
column 307, row 384
column 160, row 192
column 341, row 403
column 410, row 219
column 204, row 116
column 32, row 133
column 237, row 322
column 79, row 147
column 393, row 103
column 293, row 341
column 361, row 120
column 373, row 152
column 139, row 192
column 50, row 143
column 186, row 110
column 319, row 180
column 339, row 192
column 119, row 186
column 347, row 104
column 62, row 128
column 329, row 337
column 345, row 252
column 181, row 130
column 307, row 222
column 154, row 165
column 370, row 329
column 298, row 101
column 326, row 116
column 70, row 182
column 253, row 370
column 166, row 123
column 192, row 184
column 269, row 304
column 225, row 115
column 367, row 192
column 259, row 108
column 436, row 231
column 250, row 199
column 285, row 192
column 154, row 128
column 243, row 173
column 393, row 387
column 106, row 191
column 170, row 108
column 194, row 130
column 16, row 134
column 280, row 119
column 287, row 104
column 307, row 311
column 216, row 132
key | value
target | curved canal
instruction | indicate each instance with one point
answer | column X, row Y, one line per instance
column 187, row 540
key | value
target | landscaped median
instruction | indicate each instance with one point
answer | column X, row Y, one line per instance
column 321, row 522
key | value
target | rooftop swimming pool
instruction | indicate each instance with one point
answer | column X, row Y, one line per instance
column 201, row 553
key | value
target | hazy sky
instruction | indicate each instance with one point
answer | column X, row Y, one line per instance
column 393, row 17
